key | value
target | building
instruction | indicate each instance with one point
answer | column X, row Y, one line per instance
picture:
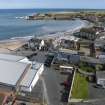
column 31, row 78
column 100, row 43
column 36, row 44
column 11, row 73
column 14, row 58
column 87, row 33
column 100, row 78
column 92, row 61
column 101, row 56
column 65, row 56
column 69, row 42
column 66, row 41
column 17, row 73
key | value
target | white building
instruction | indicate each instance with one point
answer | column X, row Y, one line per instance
column 18, row 73
column 31, row 78
column 36, row 44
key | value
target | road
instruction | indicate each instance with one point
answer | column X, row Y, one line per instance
column 51, row 81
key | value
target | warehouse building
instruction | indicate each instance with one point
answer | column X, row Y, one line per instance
column 17, row 73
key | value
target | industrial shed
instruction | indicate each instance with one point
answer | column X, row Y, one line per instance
column 18, row 73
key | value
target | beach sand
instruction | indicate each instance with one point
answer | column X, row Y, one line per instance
column 10, row 45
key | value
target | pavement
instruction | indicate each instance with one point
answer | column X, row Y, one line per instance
column 99, row 102
column 53, row 79
column 96, row 93
column 49, row 86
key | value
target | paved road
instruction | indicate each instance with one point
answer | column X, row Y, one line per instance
column 99, row 102
column 96, row 93
column 51, row 82
column 40, row 57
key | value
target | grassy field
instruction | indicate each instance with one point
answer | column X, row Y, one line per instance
column 80, row 87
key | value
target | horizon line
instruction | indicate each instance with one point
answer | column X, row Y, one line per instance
column 60, row 8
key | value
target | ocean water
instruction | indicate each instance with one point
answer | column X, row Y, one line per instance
column 10, row 26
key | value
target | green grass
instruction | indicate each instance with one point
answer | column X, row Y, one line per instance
column 80, row 87
column 86, row 67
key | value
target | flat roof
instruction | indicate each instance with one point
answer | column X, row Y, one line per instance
column 69, row 37
column 100, row 74
column 10, row 57
column 66, row 67
column 36, row 65
column 27, row 80
column 30, row 75
column 61, row 50
column 92, row 60
column 10, row 72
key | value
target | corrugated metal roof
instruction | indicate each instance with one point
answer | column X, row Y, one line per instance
column 10, row 57
column 10, row 72
column 27, row 80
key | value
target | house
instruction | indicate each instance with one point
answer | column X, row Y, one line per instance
column 99, row 28
column 87, row 33
column 100, row 78
column 101, row 56
column 66, row 41
column 65, row 56
column 36, row 44
column 100, row 42
column 69, row 42
column 18, row 74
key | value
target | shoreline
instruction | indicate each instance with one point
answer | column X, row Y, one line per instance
column 85, row 24
column 8, row 45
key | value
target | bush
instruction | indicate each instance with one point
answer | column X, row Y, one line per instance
column 86, row 67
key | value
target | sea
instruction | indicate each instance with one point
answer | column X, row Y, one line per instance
column 13, row 25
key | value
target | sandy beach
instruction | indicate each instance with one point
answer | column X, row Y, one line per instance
column 7, row 46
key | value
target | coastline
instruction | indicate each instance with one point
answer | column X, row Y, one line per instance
column 8, row 45
column 85, row 24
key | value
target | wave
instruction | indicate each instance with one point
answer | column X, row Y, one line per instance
column 24, row 37
column 22, row 17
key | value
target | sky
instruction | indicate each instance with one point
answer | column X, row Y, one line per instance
column 86, row 4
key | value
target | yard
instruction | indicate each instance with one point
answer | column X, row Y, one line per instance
column 86, row 67
column 80, row 87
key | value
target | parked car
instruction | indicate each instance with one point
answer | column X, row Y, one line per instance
column 98, row 86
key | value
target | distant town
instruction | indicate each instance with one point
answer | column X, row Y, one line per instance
column 63, row 69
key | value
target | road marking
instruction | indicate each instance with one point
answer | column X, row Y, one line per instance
column 45, row 91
